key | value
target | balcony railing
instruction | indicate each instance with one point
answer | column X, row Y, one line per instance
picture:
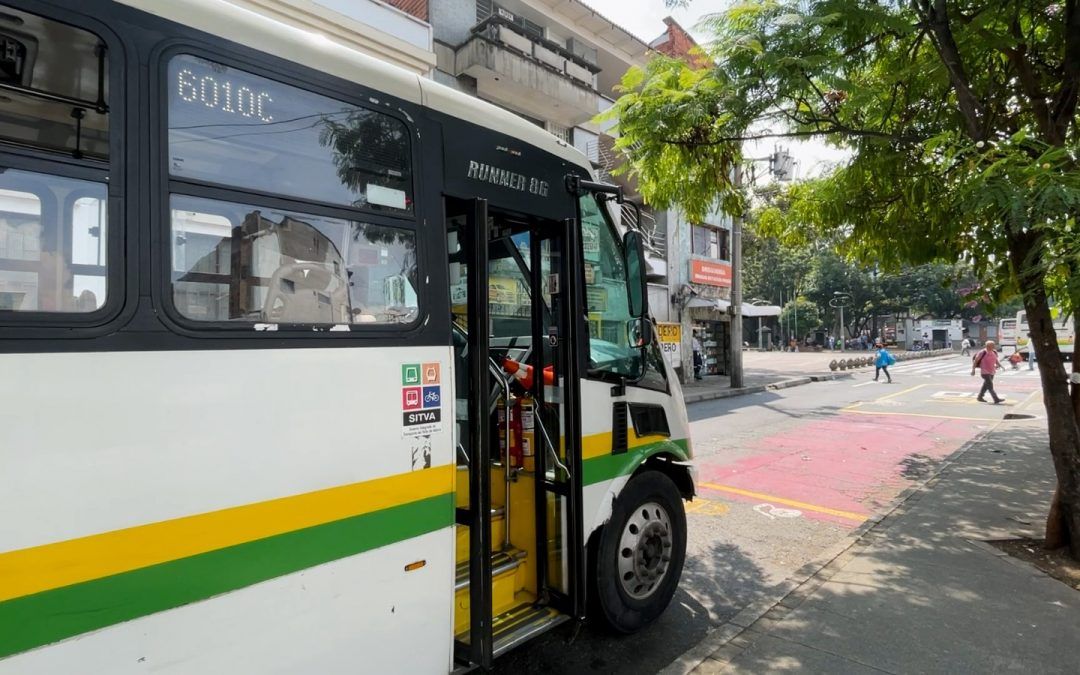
column 552, row 55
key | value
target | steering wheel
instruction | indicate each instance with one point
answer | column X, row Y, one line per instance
column 300, row 306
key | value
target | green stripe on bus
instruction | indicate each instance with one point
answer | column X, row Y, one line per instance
column 46, row 617
column 610, row 467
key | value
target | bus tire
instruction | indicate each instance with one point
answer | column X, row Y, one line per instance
column 640, row 554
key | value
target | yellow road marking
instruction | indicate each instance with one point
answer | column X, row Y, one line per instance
column 849, row 515
column 911, row 414
column 1028, row 399
column 707, row 507
column 40, row 568
column 901, row 392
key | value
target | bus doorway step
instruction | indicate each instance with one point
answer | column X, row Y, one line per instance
column 519, row 625
column 522, row 624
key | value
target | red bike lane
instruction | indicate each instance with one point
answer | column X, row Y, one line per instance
column 844, row 468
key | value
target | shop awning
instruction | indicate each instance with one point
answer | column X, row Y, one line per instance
column 760, row 310
column 723, row 305
column 710, row 303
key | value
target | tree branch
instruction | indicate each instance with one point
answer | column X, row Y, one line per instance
column 1063, row 108
column 841, row 131
column 1029, row 84
column 936, row 18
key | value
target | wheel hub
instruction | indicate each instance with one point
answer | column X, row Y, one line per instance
column 645, row 550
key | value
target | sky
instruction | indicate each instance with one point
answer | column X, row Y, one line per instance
column 646, row 21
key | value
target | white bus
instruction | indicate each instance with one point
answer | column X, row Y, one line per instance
column 1063, row 326
column 305, row 366
column 1007, row 333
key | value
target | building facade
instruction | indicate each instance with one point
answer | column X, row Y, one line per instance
column 556, row 63
column 396, row 31
column 701, row 253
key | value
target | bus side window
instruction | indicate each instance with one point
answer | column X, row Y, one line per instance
column 655, row 376
column 606, row 299
column 241, row 263
column 89, row 231
column 53, row 227
column 51, row 259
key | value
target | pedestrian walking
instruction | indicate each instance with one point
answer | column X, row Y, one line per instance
column 699, row 359
column 965, row 347
column 882, row 361
column 1031, row 352
column 987, row 362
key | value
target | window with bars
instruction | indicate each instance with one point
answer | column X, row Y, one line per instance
column 559, row 131
column 486, row 8
column 711, row 242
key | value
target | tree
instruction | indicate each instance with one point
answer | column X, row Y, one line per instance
column 772, row 270
column 961, row 119
column 802, row 316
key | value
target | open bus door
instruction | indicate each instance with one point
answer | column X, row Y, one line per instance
column 517, row 311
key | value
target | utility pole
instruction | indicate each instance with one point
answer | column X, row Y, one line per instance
column 781, row 166
column 736, row 291
column 795, row 314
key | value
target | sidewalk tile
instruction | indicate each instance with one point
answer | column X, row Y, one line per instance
column 920, row 596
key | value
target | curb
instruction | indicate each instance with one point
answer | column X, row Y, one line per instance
column 729, row 639
column 759, row 388
column 781, row 384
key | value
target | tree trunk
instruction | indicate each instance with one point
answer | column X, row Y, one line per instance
column 1057, row 529
column 1060, row 416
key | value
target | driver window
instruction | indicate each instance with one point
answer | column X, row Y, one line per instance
column 610, row 348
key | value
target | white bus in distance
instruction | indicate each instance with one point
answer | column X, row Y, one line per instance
column 1063, row 327
column 1007, row 333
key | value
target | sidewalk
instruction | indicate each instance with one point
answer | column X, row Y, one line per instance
column 754, row 381
column 763, row 371
column 920, row 591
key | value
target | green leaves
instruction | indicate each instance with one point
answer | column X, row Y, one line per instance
column 869, row 76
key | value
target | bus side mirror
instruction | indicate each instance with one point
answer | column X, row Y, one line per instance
column 639, row 332
column 637, row 290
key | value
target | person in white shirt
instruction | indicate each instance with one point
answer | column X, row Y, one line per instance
column 699, row 357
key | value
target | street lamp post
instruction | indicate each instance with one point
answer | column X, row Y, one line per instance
column 838, row 300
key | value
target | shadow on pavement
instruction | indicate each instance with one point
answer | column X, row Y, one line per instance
column 715, row 585
column 921, row 593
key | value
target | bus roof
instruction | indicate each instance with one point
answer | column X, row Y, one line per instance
column 314, row 50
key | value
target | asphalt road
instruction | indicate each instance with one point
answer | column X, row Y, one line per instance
column 783, row 476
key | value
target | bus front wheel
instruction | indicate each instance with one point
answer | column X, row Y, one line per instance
column 641, row 552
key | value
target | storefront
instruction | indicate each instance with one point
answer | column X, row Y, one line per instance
column 709, row 313
column 715, row 337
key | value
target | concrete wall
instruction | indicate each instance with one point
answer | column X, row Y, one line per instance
column 452, row 19
column 524, row 84
column 398, row 22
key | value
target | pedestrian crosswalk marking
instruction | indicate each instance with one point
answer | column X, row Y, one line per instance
column 954, row 368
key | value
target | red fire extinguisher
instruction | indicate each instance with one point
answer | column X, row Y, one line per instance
column 516, row 452
column 515, row 457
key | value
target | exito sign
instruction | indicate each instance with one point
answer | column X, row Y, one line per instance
column 710, row 273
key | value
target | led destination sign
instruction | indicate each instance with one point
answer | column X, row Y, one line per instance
column 223, row 95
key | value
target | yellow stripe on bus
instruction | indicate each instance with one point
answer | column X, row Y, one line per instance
column 599, row 445
column 49, row 566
